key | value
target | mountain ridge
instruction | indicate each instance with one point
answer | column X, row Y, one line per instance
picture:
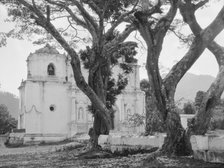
column 187, row 88
column 191, row 83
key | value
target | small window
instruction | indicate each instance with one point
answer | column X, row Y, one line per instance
column 51, row 69
column 80, row 114
column 52, row 108
column 128, row 113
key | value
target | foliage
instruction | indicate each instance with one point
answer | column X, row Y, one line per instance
column 217, row 124
column 3, row 41
column 189, row 108
column 156, row 124
column 7, row 123
column 198, row 98
column 144, row 85
column 11, row 101
column 114, row 89
column 136, row 120
column 115, row 7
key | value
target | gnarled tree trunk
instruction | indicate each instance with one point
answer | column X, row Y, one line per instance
column 163, row 90
column 197, row 47
column 200, row 124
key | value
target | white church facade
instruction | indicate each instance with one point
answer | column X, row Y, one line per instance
column 53, row 108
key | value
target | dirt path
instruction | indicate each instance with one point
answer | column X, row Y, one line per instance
column 42, row 156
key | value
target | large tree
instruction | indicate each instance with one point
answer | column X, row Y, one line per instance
column 153, row 29
column 100, row 19
column 211, row 98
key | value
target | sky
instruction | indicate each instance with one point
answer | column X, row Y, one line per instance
column 13, row 57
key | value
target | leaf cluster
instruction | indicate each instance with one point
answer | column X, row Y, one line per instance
column 6, row 121
column 115, row 88
column 136, row 120
column 114, row 8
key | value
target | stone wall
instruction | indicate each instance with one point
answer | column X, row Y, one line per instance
column 184, row 119
column 119, row 142
column 209, row 148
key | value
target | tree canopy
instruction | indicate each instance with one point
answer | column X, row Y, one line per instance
column 7, row 123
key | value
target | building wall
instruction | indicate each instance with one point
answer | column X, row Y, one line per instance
column 40, row 98
column 52, row 104
column 56, row 108
column 38, row 63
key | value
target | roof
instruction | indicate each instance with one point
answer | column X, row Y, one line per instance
column 47, row 49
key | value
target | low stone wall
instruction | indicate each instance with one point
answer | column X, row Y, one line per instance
column 16, row 139
column 209, row 148
column 119, row 142
column 184, row 119
column 21, row 138
column 39, row 138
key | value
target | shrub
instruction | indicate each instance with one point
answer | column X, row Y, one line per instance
column 7, row 123
column 136, row 120
column 217, row 124
column 189, row 108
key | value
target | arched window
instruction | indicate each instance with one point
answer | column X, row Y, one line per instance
column 80, row 113
column 51, row 69
column 128, row 113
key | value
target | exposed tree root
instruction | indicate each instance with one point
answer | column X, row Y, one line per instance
column 152, row 156
column 94, row 154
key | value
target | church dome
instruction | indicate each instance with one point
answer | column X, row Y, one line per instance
column 47, row 49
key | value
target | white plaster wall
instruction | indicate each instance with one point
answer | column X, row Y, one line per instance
column 56, row 122
column 79, row 100
column 38, row 63
column 21, row 122
column 38, row 98
column 140, row 103
column 33, row 107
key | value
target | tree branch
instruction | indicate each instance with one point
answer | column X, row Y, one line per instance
column 198, row 46
column 86, row 15
column 120, row 20
column 189, row 18
column 200, row 4
column 125, row 33
column 93, row 6
column 166, row 21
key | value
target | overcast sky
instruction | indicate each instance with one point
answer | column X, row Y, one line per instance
column 13, row 57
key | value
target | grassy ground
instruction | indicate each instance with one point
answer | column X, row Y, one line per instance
column 68, row 158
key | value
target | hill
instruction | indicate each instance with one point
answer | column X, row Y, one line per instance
column 187, row 89
column 190, row 84
column 11, row 101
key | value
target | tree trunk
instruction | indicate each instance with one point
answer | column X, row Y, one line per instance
column 154, row 121
column 177, row 141
column 99, row 125
column 200, row 124
column 175, row 132
column 155, row 100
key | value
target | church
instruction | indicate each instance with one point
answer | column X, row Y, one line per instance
column 53, row 108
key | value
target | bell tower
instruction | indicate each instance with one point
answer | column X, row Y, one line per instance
column 45, row 104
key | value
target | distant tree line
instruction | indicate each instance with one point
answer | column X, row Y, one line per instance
column 7, row 122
